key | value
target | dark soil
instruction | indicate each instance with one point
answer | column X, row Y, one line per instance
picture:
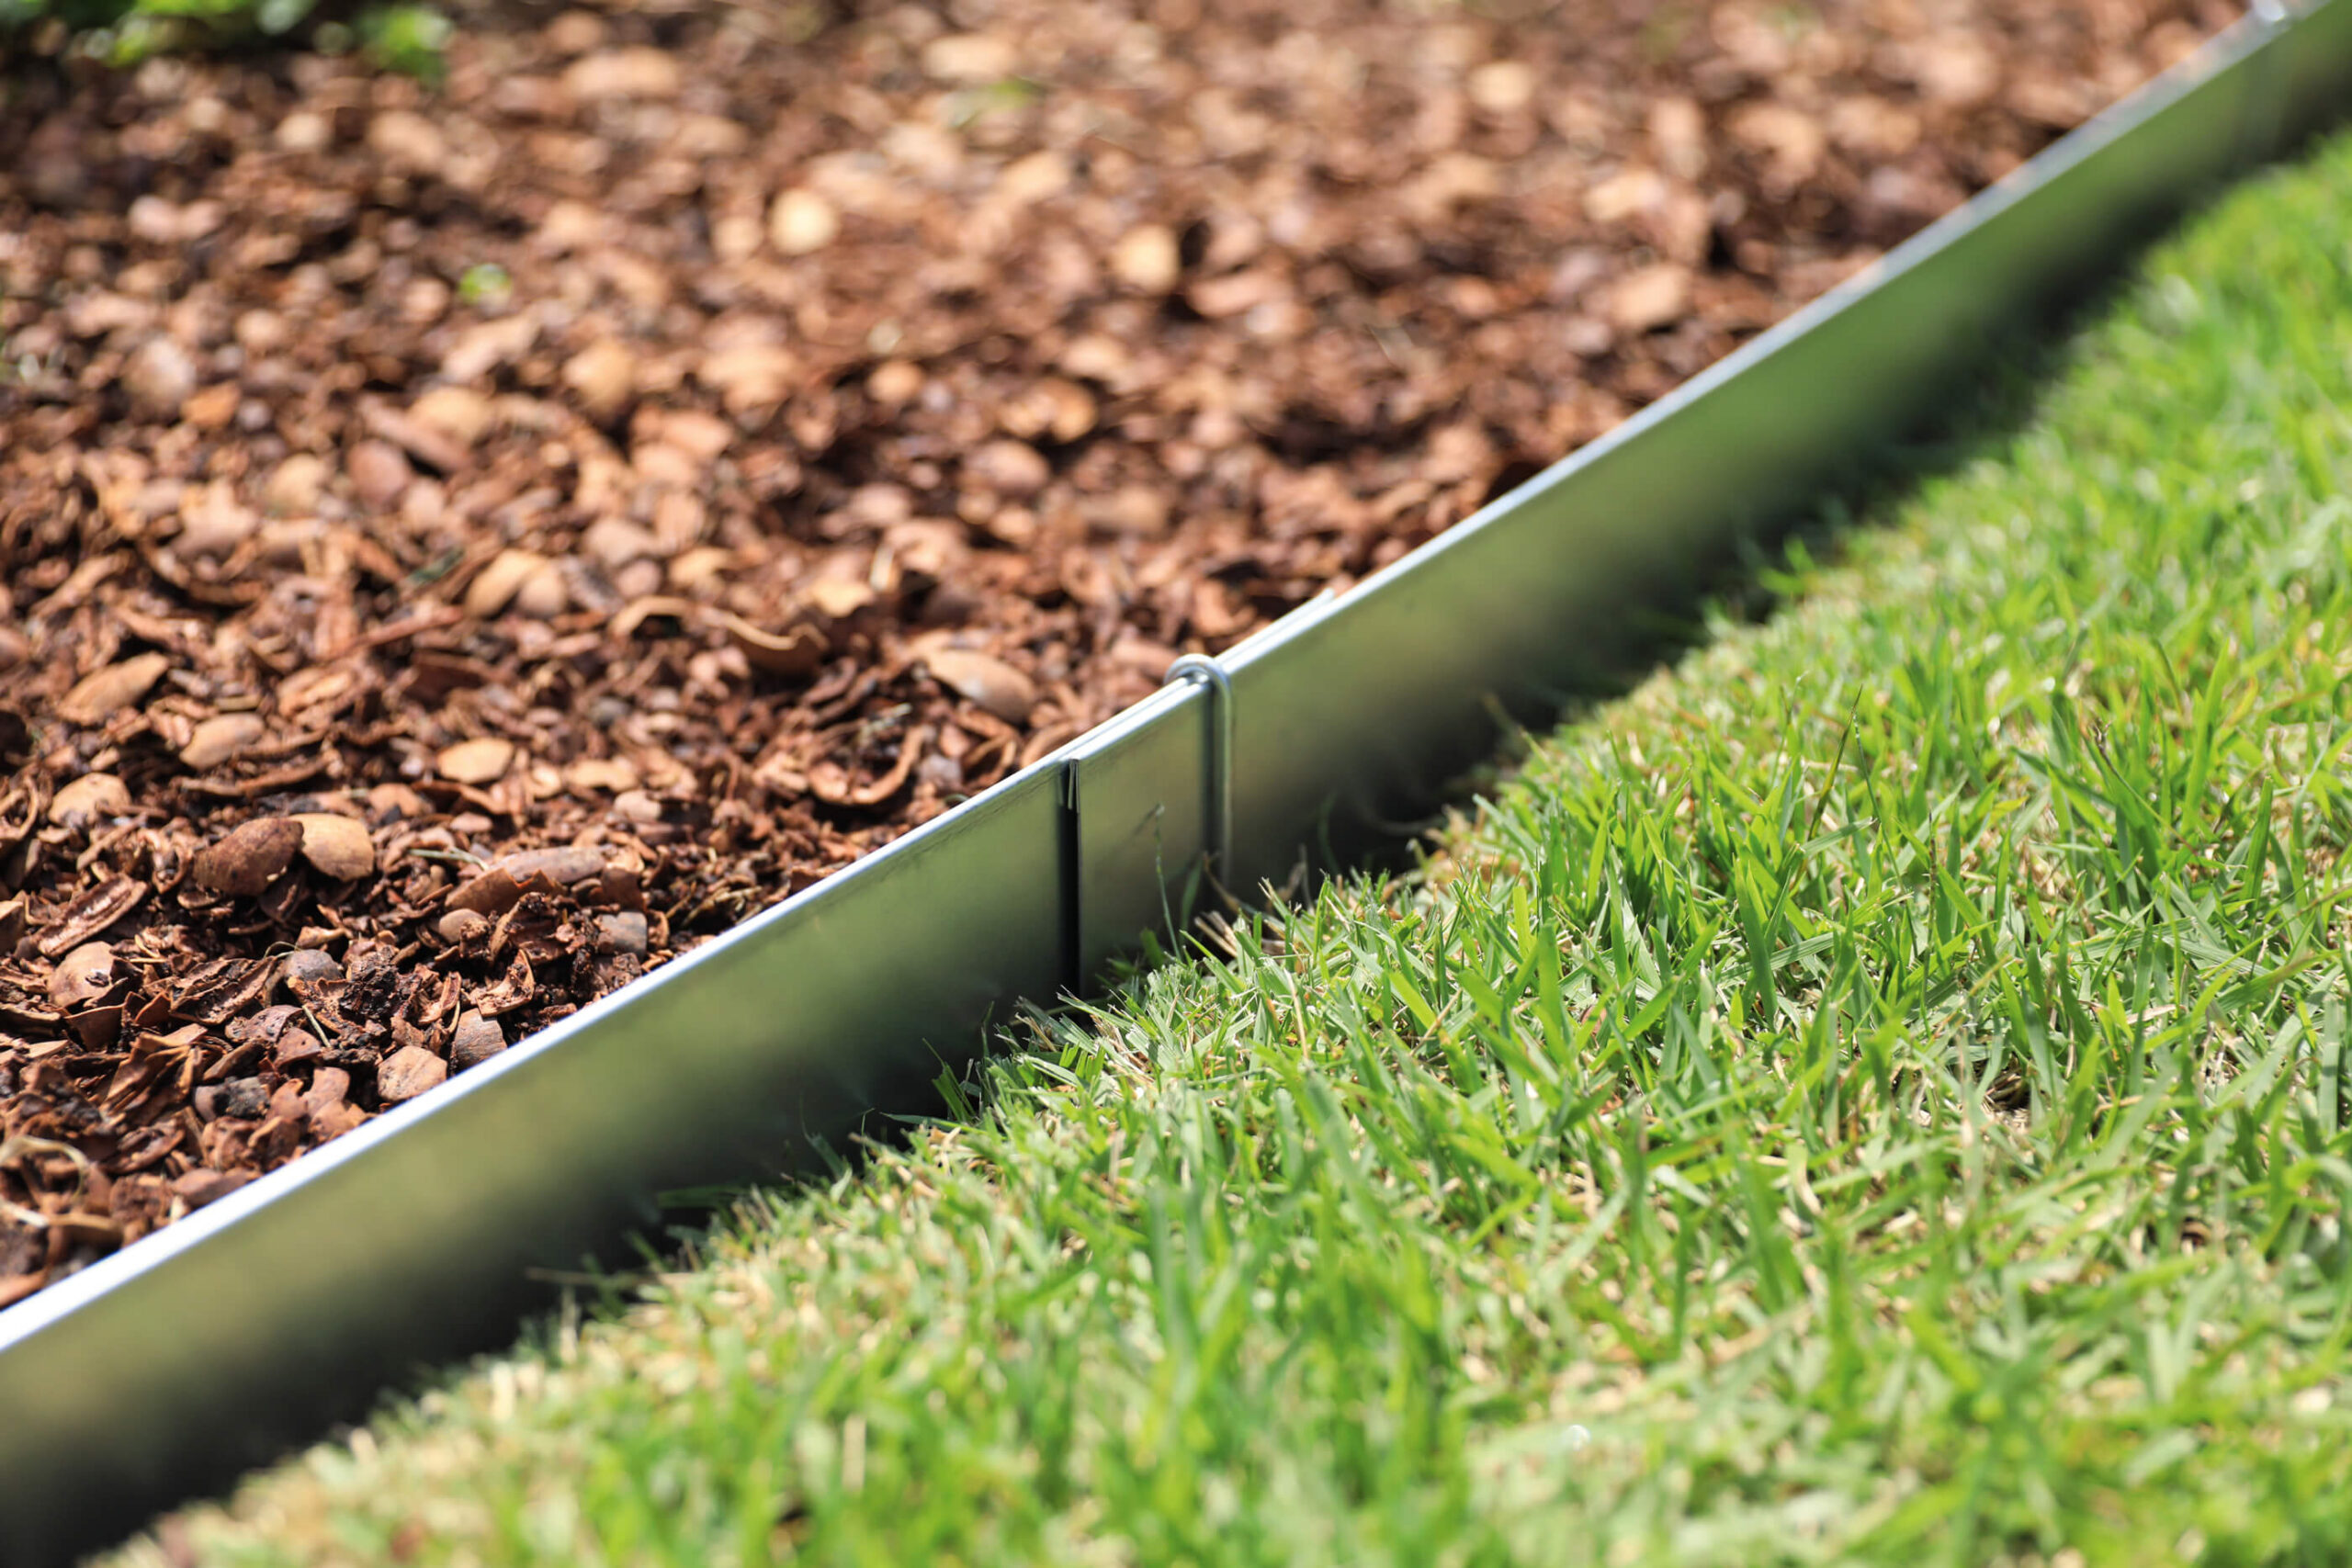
column 460, row 548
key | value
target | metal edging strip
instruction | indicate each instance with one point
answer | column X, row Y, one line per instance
column 212, row 1345
column 2263, row 125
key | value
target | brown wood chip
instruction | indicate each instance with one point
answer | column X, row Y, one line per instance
column 563, row 866
column 222, row 739
column 221, row 988
column 409, row 1072
column 88, row 799
column 102, row 694
column 492, row 893
column 476, row 1039
column 476, row 761
column 92, row 913
column 247, row 859
column 987, row 680
column 336, row 845
column 84, row 974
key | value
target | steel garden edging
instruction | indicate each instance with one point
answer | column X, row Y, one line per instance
column 212, row 1344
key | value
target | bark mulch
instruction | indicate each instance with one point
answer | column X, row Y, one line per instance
column 460, row 546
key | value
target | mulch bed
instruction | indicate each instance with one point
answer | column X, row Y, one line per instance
column 461, row 547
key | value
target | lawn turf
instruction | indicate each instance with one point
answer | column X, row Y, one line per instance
column 1875, row 1094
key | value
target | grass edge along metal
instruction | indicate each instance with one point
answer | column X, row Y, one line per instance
column 209, row 1347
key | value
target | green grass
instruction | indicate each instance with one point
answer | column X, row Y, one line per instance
column 1875, row 1094
column 399, row 36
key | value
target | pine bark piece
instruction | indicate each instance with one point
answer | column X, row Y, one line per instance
column 622, row 933
column 476, row 761
column 249, row 858
column 336, row 845
column 98, row 696
column 88, row 799
column 223, row 988
column 494, row 587
column 567, row 866
column 409, row 1072
column 93, row 912
column 83, row 976
column 986, row 680
column 223, row 739
column 491, row 894
column 476, row 1039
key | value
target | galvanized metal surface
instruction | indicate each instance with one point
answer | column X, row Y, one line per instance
column 2312, row 88
column 206, row 1349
